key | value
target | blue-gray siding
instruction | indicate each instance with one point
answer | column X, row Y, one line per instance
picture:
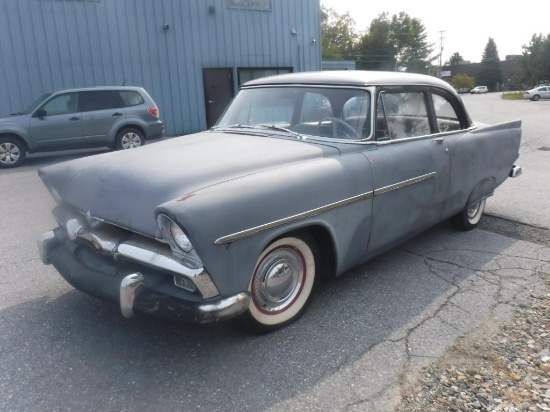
column 47, row 45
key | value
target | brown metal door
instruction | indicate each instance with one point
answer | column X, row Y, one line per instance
column 218, row 92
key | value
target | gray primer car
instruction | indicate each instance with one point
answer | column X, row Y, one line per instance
column 118, row 117
column 305, row 175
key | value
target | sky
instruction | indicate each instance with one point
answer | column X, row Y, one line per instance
column 466, row 24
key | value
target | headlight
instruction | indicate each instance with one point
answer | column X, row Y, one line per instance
column 174, row 235
column 180, row 238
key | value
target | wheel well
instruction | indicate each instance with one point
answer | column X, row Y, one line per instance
column 132, row 126
column 325, row 244
column 15, row 136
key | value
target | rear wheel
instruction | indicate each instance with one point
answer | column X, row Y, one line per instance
column 470, row 217
column 129, row 138
column 12, row 152
column 282, row 283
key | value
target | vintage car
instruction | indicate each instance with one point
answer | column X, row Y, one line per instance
column 305, row 175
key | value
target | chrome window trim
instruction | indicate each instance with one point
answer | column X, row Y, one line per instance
column 310, row 213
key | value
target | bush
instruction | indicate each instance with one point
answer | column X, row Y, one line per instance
column 512, row 95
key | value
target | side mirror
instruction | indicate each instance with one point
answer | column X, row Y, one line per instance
column 40, row 113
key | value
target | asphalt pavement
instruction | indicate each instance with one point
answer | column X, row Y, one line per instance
column 362, row 340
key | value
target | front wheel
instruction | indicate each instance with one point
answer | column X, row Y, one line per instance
column 282, row 284
column 12, row 152
column 129, row 138
column 470, row 217
column 536, row 98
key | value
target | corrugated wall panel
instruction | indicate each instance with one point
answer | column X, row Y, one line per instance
column 48, row 45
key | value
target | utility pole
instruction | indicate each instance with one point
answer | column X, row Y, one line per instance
column 440, row 51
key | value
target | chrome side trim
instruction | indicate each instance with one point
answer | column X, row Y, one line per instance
column 516, row 171
column 404, row 183
column 377, row 192
column 158, row 257
column 130, row 288
column 290, row 219
column 45, row 243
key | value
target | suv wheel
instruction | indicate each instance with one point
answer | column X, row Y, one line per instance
column 12, row 152
column 129, row 138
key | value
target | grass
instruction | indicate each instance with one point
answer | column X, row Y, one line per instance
column 512, row 95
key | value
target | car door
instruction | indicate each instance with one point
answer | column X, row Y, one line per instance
column 57, row 123
column 545, row 93
column 101, row 109
column 410, row 168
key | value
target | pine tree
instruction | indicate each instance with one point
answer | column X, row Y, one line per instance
column 490, row 74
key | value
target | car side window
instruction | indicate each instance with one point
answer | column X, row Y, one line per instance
column 401, row 114
column 62, row 104
column 130, row 98
column 446, row 116
column 98, row 100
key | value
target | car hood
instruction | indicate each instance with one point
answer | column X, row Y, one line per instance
column 125, row 187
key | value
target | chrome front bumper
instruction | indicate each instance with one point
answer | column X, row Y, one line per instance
column 137, row 272
column 516, row 171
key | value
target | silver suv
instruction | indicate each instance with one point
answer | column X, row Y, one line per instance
column 118, row 117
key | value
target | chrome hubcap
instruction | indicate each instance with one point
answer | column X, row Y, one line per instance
column 278, row 280
column 9, row 153
column 131, row 141
column 472, row 211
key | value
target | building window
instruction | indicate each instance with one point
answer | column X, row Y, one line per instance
column 250, row 4
column 247, row 74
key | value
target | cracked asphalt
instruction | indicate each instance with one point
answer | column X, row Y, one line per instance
column 361, row 343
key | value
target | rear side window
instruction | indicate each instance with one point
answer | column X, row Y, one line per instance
column 130, row 98
column 100, row 100
column 401, row 115
column 447, row 118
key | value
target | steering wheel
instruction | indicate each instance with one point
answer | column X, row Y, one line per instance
column 338, row 125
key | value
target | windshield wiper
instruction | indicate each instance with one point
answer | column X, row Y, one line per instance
column 282, row 129
column 234, row 126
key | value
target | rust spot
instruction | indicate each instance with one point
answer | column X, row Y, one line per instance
column 187, row 196
column 371, row 159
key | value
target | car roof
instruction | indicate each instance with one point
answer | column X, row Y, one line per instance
column 351, row 78
column 99, row 88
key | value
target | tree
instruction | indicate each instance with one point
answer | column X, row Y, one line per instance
column 463, row 81
column 490, row 73
column 338, row 34
column 454, row 60
column 399, row 43
column 535, row 63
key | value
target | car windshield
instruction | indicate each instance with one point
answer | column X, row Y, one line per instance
column 339, row 113
column 33, row 105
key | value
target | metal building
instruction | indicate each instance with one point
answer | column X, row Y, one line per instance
column 190, row 55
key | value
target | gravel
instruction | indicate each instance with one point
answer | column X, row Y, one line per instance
column 507, row 370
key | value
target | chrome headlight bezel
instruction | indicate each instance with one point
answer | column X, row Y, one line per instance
column 178, row 240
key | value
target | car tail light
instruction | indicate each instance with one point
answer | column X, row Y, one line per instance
column 154, row 111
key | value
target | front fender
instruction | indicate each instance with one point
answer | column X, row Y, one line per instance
column 272, row 204
column 16, row 130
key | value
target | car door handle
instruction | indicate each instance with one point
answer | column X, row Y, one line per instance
column 72, row 119
column 117, row 114
column 439, row 140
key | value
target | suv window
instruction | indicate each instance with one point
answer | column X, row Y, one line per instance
column 62, row 104
column 130, row 98
column 401, row 115
column 98, row 100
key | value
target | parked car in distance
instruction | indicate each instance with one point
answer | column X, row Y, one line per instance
column 118, row 117
column 479, row 90
column 541, row 92
column 462, row 90
column 305, row 175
